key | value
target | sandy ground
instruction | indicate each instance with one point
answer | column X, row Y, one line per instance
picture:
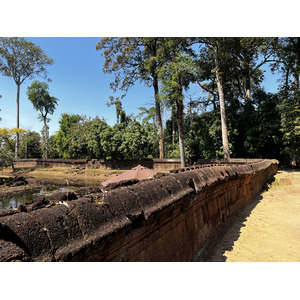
column 268, row 228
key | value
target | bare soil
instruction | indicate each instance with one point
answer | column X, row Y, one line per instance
column 268, row 228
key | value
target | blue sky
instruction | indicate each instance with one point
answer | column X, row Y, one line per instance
column 79, row 83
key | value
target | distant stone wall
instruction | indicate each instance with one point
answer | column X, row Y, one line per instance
column 156, row 164
column 50, row 163
column 166, row 219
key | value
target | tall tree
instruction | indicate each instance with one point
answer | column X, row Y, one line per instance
column 131, row 59
column 215, row 63
column 175, row 76
column 288, row 55
column 22, row 59
column 219, row 52
column 38, row 95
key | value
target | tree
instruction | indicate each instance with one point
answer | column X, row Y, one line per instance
column 99, row 135
column 135, row 141
column 216, row 55
column 175, row 75
column 132, row 59
column 22, row 59
column 117, row 102
column 39, row 96
column 287, row 63
column 7, row 141
column 262, row 126
column 63, row 135
column 146, row 114
column 250, row 54
column 30, row 145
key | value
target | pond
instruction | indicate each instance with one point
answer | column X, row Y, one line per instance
column 15, row 198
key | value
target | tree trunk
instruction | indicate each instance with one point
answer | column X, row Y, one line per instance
column 18, row 123
column 296, row 75
column 179, row 104
column 45, row 137
column 181, row 133
column 158, row 118
column 248, row 88
column 13, row 166
column 173, row 127
column 219, row 79
column 26, row 141
column 223, row 117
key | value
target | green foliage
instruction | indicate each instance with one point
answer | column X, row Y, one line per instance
column 135, row 143
column 7, row 142
column 79, row 137
column 262, row 130
column 30, row 145
column 38, row 95
column 52, row 148
column 290, row 127
column 119, row 111
column 62, row 138
column 22, row 59
column 202, row 138
column 98, row 138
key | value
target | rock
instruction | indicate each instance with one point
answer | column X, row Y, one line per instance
column 13, row 181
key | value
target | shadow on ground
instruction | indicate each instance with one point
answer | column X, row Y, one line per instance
column 223, row 240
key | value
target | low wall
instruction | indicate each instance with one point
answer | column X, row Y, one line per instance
column 166, row 219
column 156, row 164
column 50, row 163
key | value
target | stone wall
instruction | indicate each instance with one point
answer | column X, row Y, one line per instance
column 156, row 164
column 50, row 163
column 165, row 219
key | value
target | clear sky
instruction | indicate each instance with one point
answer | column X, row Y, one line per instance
column 77, row 81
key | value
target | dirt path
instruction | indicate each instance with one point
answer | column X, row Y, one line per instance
column 268, row 228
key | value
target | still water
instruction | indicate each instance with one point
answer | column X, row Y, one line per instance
column 15, row 199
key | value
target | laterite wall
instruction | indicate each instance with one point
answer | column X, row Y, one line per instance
column 166, row 219
column 156, row 164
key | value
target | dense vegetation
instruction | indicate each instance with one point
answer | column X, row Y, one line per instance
column 232, row 116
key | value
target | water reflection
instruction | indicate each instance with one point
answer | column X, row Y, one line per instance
column 42, row 186
column 14, row 200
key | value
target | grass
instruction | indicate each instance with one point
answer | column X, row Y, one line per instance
column 63, row 173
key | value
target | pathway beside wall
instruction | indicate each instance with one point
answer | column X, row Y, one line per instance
column 268, row 228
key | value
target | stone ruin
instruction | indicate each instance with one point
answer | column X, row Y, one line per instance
column 163, row 219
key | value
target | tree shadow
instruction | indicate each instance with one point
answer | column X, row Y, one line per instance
column 223, row 239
